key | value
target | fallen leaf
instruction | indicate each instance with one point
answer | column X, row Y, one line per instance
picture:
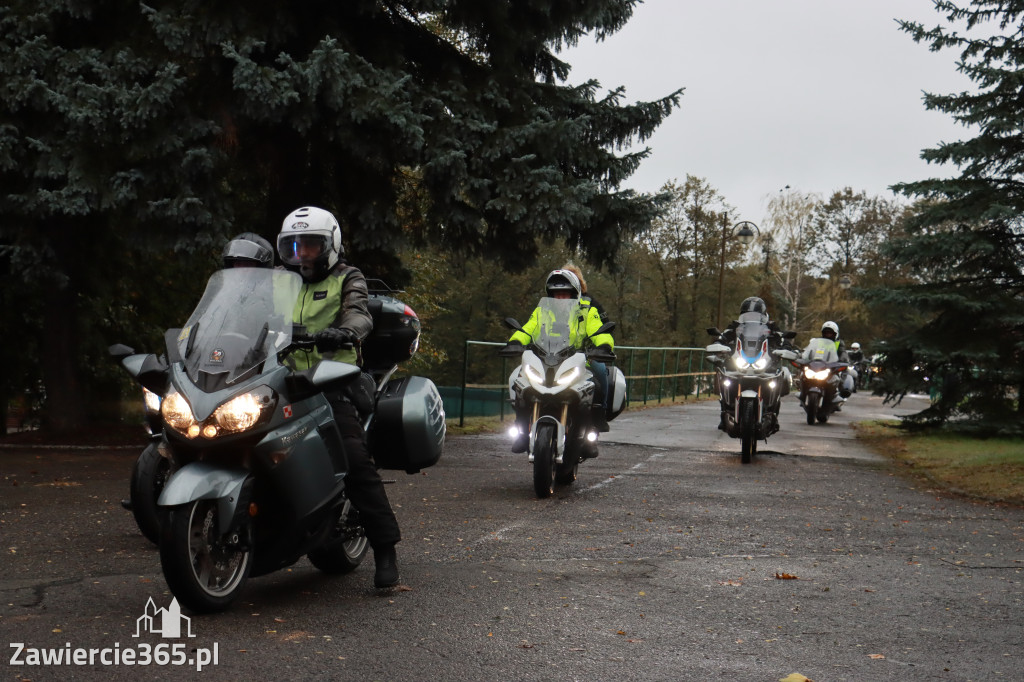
column 785, row 576
column 795, row 677
column 876, row 656
column 621, row 632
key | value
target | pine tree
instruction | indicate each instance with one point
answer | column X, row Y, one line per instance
column 127, row 128
column 965, row 339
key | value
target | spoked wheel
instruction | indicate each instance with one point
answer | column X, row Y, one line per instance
column 149, row 475
column 204, row 569
column 346, row 550
column 748, row 430
column 565, row 473
column 813, row 403
column 544, row 460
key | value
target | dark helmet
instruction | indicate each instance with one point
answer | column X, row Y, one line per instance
column 563, row 280
column 248, row 250
column 753, row 304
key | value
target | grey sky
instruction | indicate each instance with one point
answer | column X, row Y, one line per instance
column 815, row 94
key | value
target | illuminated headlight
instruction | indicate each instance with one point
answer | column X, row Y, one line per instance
column 533, row 375
column 151, row 401
column 740, row 363
column 177, row 413
column 760, row 363
column 819, row 376
column 726, row 382
column 568, row 377
column 238, row 414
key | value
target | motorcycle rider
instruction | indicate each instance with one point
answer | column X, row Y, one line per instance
column 834, row 351
column 776, row 340
column 856, row 357
column 598, row 369
column 564, row 284
column 247, row 249
column 333, row 308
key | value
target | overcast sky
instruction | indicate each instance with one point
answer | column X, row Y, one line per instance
column 814, row 94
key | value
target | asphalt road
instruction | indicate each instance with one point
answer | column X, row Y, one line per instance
column 667, row 560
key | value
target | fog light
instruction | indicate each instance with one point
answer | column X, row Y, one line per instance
column 771, row 384
column 592, row 436
column 210, row 431
column 726, row 382
column 513, row 431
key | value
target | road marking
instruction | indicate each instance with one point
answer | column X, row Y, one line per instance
column 611, row 479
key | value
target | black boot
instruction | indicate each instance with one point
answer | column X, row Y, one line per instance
column 520, row 443
column 386, row 574
column 598, row 418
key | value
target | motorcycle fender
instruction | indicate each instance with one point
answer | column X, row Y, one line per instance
column 748, row 394
column 560, row 430
column 203, row 481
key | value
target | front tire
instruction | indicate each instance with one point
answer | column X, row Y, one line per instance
column 748, row 430
column 544, row 461
column 346, row 550
column 813, row 401
column 149, row 475
column 204, row 570
column 565, row 473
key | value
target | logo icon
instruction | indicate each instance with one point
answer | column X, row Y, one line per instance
column 164, row 622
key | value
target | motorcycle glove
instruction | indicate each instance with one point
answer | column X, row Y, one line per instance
column 334, row 338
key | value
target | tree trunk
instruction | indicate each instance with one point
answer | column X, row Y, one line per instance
column 64, row 409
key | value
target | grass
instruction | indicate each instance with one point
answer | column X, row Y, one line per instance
column 988, row 469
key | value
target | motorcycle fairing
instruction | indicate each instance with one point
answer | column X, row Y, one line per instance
column 206, row 481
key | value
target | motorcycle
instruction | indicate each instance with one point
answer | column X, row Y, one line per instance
column 822, row 379
column 257, row 464
column 555, row 385
column 750, row 381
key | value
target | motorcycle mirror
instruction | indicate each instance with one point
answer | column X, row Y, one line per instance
column 511, row 323
column 119, row 351
column 713, row 331
column 789, row 335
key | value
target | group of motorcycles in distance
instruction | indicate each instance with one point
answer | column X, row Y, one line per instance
column 752, row 375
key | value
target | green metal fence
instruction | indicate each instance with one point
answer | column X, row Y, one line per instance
column 653, row 373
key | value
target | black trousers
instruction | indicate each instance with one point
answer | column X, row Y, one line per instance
column 363, row 484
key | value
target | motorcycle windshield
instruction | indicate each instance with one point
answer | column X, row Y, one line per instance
column 751, row 335
column 558, row 325
column 243, row 319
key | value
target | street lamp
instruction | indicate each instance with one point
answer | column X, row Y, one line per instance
column 744, row 231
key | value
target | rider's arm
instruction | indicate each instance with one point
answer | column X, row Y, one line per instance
column 593, row 324
column 530, row 327
column 354, row 314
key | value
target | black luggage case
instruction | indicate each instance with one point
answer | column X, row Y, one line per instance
column 408, row 428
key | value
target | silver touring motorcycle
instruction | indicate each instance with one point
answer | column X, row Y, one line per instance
column 255, row 460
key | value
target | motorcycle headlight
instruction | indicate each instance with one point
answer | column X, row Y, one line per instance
column 740, row 363
column 818, row 376
column 151, row 401
column 177, row 413
column 239, row 413
column 760, row 363
column 568, row 377
column 533, row 375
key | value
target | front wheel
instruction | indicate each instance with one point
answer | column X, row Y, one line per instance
column 565, row 473
column 149, row 475
column 544, row 460
column 205, row 570
column 347, row 547
column 748, row 430
column 812, row 403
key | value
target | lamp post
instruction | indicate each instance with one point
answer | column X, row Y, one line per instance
column 744, row 231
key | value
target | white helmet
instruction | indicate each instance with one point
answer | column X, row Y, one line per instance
column 563, row 280
column 310, row 242
column 830, row 325
column 855, row 346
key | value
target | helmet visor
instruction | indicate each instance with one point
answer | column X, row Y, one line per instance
column 240, row 251
column 301, row 248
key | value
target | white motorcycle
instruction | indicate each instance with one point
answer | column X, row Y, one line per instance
column 555, row 386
